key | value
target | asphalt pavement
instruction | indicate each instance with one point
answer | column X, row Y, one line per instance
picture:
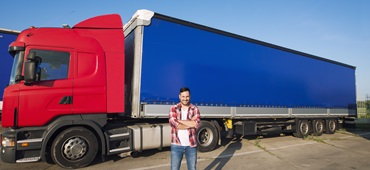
column 346, row 149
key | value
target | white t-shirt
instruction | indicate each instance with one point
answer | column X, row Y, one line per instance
column 184, row 134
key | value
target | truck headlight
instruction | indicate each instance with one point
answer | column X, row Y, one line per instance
column 7, row 142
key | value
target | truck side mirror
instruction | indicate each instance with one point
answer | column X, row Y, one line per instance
column 19, row 78
column 30, row 68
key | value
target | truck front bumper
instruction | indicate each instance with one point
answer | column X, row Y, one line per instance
column 15, row 150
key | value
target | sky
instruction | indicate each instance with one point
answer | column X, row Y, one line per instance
column 338, row 30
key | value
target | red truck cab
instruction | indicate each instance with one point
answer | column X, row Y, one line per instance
column 75, row 69
column 61, row 75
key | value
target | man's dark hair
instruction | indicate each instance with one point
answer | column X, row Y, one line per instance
column 184, row 89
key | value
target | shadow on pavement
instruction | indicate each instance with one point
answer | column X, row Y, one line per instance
column 118, row 157
column 220, row 161
column 361, row 127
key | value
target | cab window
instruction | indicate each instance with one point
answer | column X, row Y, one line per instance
column 53, row 65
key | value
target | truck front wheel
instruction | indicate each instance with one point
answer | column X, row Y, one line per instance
column 75, row 147
column 207, row 136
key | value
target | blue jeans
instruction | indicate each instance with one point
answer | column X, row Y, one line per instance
column 177, row 153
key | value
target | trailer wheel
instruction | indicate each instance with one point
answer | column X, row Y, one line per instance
column 318, row 127
column 331, row 126
column 74, row 148
column 207, row 136
column 303, row 129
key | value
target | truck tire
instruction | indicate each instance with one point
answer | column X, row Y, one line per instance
column 75, row 147
column 207, row 136
column 318, row 127
column 303, row 129
column 331, row 126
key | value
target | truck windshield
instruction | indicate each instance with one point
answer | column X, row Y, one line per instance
column 17, row 66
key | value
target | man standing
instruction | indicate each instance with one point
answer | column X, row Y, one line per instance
column 184, row 118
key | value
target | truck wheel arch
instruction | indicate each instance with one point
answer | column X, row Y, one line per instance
column 54, row 129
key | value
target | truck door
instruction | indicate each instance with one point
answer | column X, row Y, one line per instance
column 51, row 94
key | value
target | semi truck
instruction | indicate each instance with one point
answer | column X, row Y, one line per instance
column 101, row 88
column 6, row 37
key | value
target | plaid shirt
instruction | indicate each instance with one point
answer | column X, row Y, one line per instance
column 175, row 115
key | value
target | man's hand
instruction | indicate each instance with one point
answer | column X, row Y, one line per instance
column 182, row 127
column 188, row 123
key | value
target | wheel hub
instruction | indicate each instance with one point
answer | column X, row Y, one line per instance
column 75, row 148
column 332, row 125
column 206, row 137
column 304, row 128
column 319, row 127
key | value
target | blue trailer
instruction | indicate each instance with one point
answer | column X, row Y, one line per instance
column 242, row 86
column 247, row 86
column 6, row 37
